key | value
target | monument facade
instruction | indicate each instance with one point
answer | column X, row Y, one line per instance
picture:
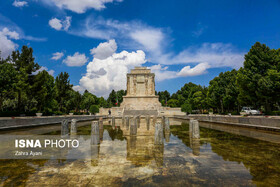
column 140, row 92
column 140, row 98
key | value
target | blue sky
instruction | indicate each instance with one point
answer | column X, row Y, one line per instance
column 98, row 41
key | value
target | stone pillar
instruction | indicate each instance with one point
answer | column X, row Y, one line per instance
column 133, row 127
column 127, row 122
column 73, row 127
column 95, row 140
column 167, row 136
column 64, row 128
column 138, row 121
column 123, row 121
column 154, row 120
column 195, row 128
column 158, row 134
column 113, row 121
column 194, row 136
column 167, row 125
column 148, row 122
column 163, row 120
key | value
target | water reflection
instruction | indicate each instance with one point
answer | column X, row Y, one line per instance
column 155, row 156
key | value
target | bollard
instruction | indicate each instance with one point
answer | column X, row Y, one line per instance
column 148, row 122
column 95, row 140
column 64, row 128
column 163, row 120
column 123, row 121
column 195, row 129
column 191, row 126
column 167, row 125
column 113, row 121
column 73, row 130
column 158, row 134
column 127, row 122
column 154, row 120
column 133, row 127
column 138, row 121
column 167, row 136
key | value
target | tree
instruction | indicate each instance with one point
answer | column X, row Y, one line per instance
column 26, row 67
column 8, row 79
column 186, row 107
column 94, row 109
column 255, row 79
column 63, row 89
column 88, row 99
column 173, row 103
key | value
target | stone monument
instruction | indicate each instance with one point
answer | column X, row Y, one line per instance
column 140, row 98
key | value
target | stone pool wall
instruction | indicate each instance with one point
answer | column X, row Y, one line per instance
column 18, row 122
column 262, row 122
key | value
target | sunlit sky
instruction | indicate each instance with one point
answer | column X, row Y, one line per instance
column 98, row 41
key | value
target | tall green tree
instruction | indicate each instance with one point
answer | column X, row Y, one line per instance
column 63, row 89
column 256, row 78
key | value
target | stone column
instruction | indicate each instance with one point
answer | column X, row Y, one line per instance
column 194, row 136
column 133, row 127
column 127, row 122
column 113, row 122
column 95, row 140
column 148, row 122
column 138, row 121
column 167, row 125
column 64, row 128
column 73, row 127
column 158, row 134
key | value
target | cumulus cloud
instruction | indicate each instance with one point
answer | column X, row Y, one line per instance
column 82, row 5
column 51, row 72
column 57, row 55
column 109, row 73
column 20, row 3
column 58, row 24
column 197, row 70
column 150, row 39
column 104, row 50
column 6, row 42
column 162, row 72
column 76, row 60
column 215, row 54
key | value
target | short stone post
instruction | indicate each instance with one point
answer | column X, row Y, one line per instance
column 133, row 127
column 127, row 122
column 167, row 136
column 95, row 140
column 158, row 134
column 64, row 128
column 123, row 121
column 195, row 129
column 100, row 123
column 73, row 130
column 113, row 121
column 167, row 125
column 138, row 121
column 154, row 120
column 148, row 122
column 163, row 120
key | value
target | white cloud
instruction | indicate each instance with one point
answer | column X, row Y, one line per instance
column 103, row 75
column 150, row 39
column 6, row 43
column 58, row 24
column 76, row 60
column 51, row 72
column 20, row 3
column 197, row 70
column 162, row 73
column 82, row 5
column 57, row 55
column 104, row 50
column 215, row 54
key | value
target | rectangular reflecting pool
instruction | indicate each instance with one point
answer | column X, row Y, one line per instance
column 222, row 156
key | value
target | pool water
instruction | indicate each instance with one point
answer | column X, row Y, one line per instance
column 223, row 156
